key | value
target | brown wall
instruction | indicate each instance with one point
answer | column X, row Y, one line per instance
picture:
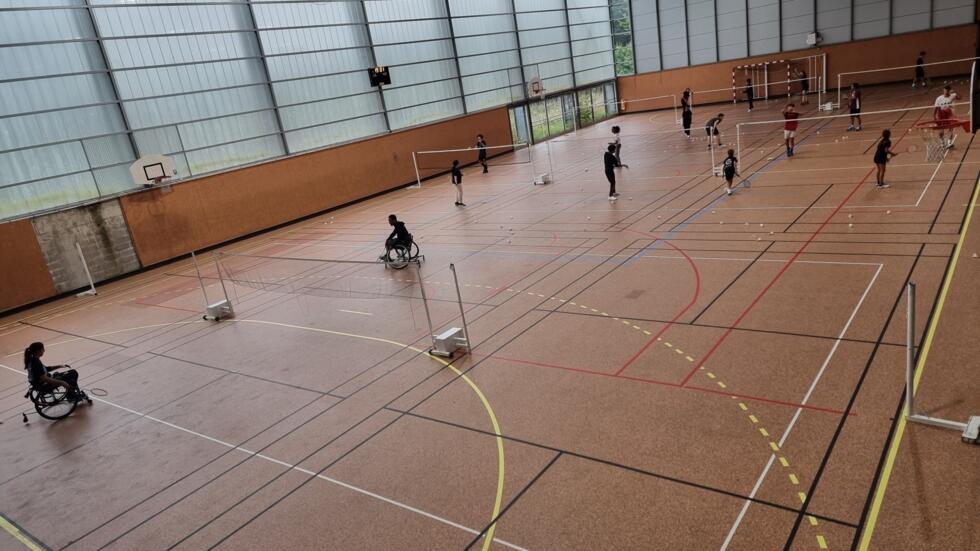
column 892, row 51
column 214, row 209
column 24, row 276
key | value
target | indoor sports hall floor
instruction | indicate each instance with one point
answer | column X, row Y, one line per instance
column 676, row 370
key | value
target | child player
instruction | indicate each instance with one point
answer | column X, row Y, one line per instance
column 854, row 102
column 481, row 146
column 730, row 168
column 711, row 127
column 943, row 112
column 749, row 93
column 609, row 163
column 789, row 128
column 882, row 155
column 920, row 71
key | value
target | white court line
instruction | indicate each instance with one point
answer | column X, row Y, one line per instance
column 299, row 469
column 356, row 312
column 796, row 416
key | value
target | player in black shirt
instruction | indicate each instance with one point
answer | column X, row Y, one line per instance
column 456, row 177
column 711, row 127
column 749, row 93
column 687, row 114
column 730, row 168
column 399, row 235
column 882, row 154
column 609, row 163
column 39, row 374
column 920, row 71
column 481, row 145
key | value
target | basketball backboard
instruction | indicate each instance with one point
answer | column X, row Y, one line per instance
column 152, row 169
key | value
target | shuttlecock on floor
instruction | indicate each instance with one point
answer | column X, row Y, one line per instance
column 850, row 225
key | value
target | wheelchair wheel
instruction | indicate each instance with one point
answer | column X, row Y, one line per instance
column 414, row 252
column 398, row 257
column 53, row 404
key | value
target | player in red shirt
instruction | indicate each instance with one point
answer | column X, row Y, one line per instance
column 789, row 128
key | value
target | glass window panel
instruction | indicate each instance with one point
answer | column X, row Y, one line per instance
column 312, row 89
column 412, row 53
column 142, row 83
column 108, row 150
column 47, row 194
column 142, row 52
column 327, row 111
column 145, row 20
column 56, row 126
column 468, row 7
column 41, row 162
column 37, row 95
column 116, row 179
column 44, row 25
column 49, row 59
column 345, row 131
column 240, row 153
column 162, row 111
column 397, row 98
column 304, row 65
column 413, row 116
column 201, row 134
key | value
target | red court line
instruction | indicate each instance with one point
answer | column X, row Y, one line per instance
column 678, row 386
column 669, row 324
column 782, row 271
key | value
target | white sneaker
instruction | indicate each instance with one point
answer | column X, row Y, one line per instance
column 728, row 190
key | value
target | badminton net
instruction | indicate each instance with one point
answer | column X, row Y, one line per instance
column 429, row 164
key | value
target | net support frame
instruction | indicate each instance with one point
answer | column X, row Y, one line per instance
column 88, row 275
column 840, row 75
column 738, row 126
column 513, row 147
column 673, row 103
column 910, row 369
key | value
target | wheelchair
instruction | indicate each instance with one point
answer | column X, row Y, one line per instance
column 400, row 255
column 53, row 402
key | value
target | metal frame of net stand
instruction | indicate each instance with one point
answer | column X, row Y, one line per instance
column 325, row 278
column 970, row 431
column 467, row 156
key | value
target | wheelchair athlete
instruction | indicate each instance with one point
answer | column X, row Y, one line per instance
column 41, row 377
column 399, row 236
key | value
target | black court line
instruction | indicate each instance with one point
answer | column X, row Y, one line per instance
column 748, row 265
column 34, row 539
column 847, row 410
column 518, row 496
column 637, row 470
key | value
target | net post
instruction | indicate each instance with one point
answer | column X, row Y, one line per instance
column 910, row 351
column 88, row 275
column 418, row 177
column 838, row 91
column 674, row 100
column 200, row 280
column 738, row 141
column 425, row 305
column 221, row 278
column 462, row 313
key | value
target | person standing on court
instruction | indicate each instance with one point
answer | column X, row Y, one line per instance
column 789, row 128
column 749, row 93
column 920, row 71
column 882, row 155
column 854, row 102
column 619, row 146
column 804, row 87
column 687, row 113
column 609, row 163
column 730, row 168
column 943, row 111
column 481, row 146
column 456, row 177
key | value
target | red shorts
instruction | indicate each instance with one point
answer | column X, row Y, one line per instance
column 944, row 114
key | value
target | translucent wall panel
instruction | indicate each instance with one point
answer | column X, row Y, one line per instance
column 543, row 33
column 702, row 39
column 834, row 20
column 910, row 15
column 318, row 71
column 489, row 59
column 621, row 26
column 50, row 149
column 798, row 21
column 732, row 30
column 208, row 79
column 673, row 34
column 414, row 36
column 646, row 36
column 763, row 26
column 871, row 18
column 589, row 32
column 946, row 13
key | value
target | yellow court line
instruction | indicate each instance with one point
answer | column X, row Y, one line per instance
column 886, row 472
column 19, row 535
column 498, row 500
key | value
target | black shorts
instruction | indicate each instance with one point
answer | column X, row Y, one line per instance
column 855, row 110
column 611, row 176
column 482, row 155
column 729, row 175
column 69, row 376
column 708, row 131
column 805, row 86
column 920, row 73
column 881, row 159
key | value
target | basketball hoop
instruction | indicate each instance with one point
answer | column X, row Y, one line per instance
column 934, row 136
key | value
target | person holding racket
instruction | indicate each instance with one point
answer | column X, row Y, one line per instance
column 943, row 111
column 730, row 168
column 882, row 155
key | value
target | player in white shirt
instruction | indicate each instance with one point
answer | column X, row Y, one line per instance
column 943, row 111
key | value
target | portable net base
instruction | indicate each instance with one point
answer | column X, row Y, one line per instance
column 938, row 136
